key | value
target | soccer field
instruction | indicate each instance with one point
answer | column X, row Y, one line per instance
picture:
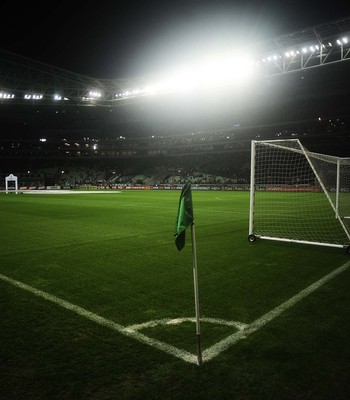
column 97, row 303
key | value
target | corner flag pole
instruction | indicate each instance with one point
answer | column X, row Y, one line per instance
column 196, row 295
column 183, row 221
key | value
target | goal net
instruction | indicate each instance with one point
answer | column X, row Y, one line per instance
column 297, row 195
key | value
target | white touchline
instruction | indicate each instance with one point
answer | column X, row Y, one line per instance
column 132, row 331
column 182, row 354
column 219, row 347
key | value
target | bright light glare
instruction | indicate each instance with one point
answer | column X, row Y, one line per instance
column 227, row 71
column 215, row 72
column 183, row 79
column 211, row 73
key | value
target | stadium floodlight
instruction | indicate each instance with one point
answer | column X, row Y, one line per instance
column 33, row 96
column 291, row 53
column 94, row 94
column 57, row 97
column 342, row 41
column 6, row 95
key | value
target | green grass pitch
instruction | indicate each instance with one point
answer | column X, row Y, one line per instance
column 114, row 255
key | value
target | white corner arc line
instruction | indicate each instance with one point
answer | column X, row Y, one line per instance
column 224, row 344
column 209, row 353
column 176, row 321
column 179, row 353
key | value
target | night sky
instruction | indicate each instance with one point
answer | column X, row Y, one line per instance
column 126, row 39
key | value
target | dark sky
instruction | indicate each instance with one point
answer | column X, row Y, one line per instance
column 126, row 39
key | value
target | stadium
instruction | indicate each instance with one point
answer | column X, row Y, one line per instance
column 56, row 121
column 98, row 303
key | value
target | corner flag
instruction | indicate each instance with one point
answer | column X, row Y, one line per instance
column 183, row 220
column 184, row 216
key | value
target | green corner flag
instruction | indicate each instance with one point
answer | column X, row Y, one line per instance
column 183, row 221
column 184, row 216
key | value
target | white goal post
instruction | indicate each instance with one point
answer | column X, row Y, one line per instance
column 298, row 196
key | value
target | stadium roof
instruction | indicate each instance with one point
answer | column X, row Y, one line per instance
column 313, row 46
column 24, row 80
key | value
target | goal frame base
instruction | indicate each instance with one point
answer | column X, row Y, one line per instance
column 252, row 238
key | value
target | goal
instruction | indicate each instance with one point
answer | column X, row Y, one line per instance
column 298, row 196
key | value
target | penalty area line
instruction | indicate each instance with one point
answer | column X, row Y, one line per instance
column 224, row 344
column 167, row 348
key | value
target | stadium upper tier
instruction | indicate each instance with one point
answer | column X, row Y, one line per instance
column 26, row 81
